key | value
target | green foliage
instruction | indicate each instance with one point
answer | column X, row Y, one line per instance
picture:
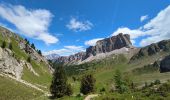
column 59, row 86
column 156, row 82
column 87, row 84
column 29, row 59
column 39, row 52
column 3, row 44
column 27, row 42
column 33, row 46
column 165, row 87
column 120, row 84
column 10, row 46
column 102, row 89
column 69, row 90
column 110, row 62
column 146, row 69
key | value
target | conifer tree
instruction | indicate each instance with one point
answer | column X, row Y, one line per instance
column 87, row 84
column 10, row 46
column 59, row 86
column 3, row 44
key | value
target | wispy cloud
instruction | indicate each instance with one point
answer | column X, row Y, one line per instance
column 66, row 51
column 78, row 26
column 92, row 42
column 155, row 30
column 143, row 18
column 29, row 22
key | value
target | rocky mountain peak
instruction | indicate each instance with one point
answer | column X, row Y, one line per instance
column 109, row 44
column 102, row 46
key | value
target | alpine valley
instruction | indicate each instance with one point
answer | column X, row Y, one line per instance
column 84, row 49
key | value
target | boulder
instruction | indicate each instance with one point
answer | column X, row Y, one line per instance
column 165, row 64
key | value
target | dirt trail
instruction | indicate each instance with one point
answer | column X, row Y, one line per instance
column 89, row 97
column 25, row 83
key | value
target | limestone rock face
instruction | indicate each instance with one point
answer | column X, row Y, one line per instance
column 102, row 46
column 72, row 58
column 109, row 44
column 165, row 64
column 9, row 65
column 153, row 49
column 9, row 62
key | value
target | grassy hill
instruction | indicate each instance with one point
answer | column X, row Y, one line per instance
column 18, row 90
column 13, row 90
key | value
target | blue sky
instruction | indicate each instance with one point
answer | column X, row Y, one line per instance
column 69, row 26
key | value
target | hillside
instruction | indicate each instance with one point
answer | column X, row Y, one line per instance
column 23, row 68
column 20, row 61
column 137, row 68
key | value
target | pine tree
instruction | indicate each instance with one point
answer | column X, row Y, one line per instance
column 69, row 90
column 39, row 52
column 59, row 85
column 3, row 44
column 87, row 84
column 29, row 59
column 33, row 46
column 121, row 85
column 10, row 46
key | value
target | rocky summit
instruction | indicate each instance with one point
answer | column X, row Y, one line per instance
column 102, row 46
column 109, row 44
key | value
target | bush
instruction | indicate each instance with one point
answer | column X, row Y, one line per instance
column 69, row 90
column 156, row 82
column 3, row 44
column 152, row 84
column 87, row 84
column 10, row 46
column 29, row 59
column 102, row 89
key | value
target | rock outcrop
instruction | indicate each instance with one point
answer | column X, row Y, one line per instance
column 165, row 64
column 10, row 61
column 102, row 46
column 153, row 49
column 72, row 58
column 109, row 44
column 9, row 65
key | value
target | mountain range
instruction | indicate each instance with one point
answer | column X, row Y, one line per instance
column 23, row 63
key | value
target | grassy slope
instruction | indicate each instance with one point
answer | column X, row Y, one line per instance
column 44, row 77
column 12, row 90
column 104, row 71
column 42, row 81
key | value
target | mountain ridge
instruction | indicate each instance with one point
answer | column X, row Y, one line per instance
column 102, row 46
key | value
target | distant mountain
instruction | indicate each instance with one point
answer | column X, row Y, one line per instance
column 103, row 47
column 52, row 56
column 155, row 48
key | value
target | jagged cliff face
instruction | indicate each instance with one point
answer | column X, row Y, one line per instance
column 102, row 46
column 71, row 59
column 153, row 49
column 109, row 44
column 13, row 61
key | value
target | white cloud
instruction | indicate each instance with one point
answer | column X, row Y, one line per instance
column 73, row 47
column 155, row 30
column 29, row 22
column 66, row 51
column 92, row 42
column 143, row 18
column 78, row 26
